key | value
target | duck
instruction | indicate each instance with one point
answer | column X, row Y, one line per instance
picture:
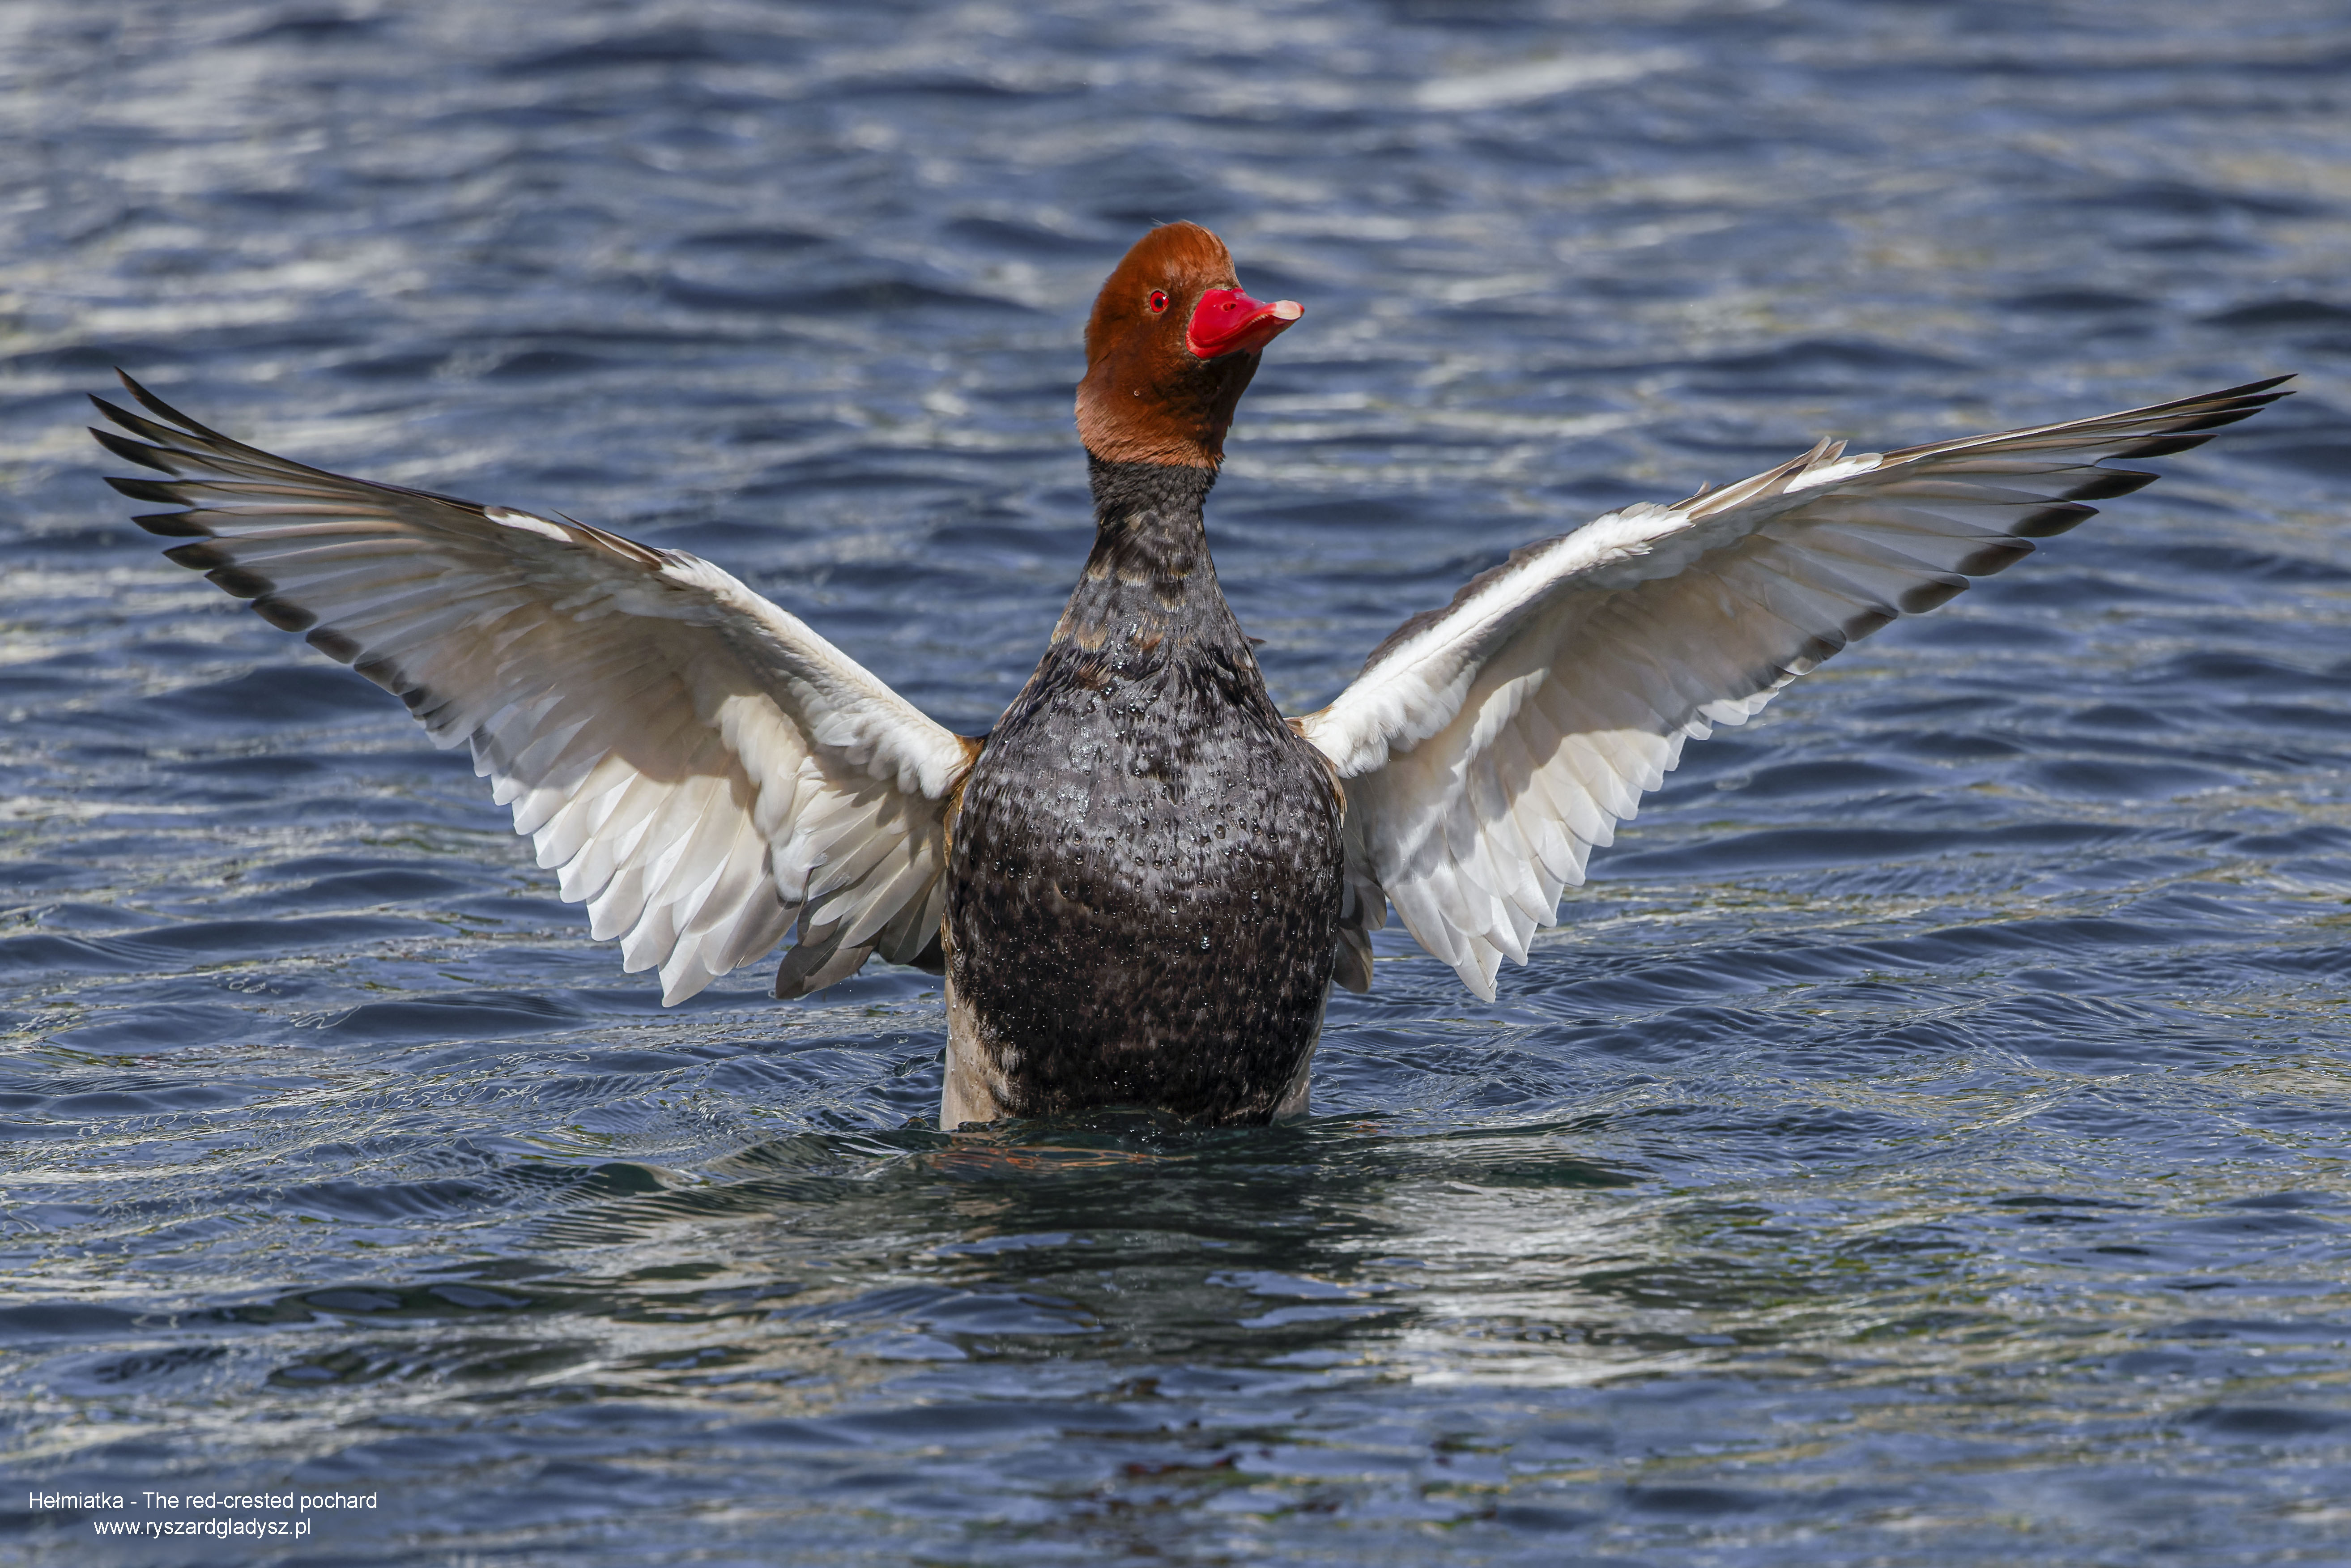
column 1140, row 886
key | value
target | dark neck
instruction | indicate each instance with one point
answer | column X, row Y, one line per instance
column 1149, row 576
column 1150, row 511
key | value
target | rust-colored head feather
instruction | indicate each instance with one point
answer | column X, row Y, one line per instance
column 1147, row 397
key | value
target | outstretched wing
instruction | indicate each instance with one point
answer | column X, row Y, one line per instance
column 700, row 768
column 1489, row 746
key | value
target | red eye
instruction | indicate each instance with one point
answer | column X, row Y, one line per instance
column 1158, row 301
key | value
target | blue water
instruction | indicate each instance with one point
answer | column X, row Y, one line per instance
column 1926, row 1141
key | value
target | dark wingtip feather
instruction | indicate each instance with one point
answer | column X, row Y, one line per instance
column 2052, row 520
column 130, row 451
column 2162, row 446
column 381, row 671
column 2159, row 422
column 113, row 411
column 162, row 410
column 2248, row 395
column 2250, row 387
column 175, row 524
column 2108, row 483
column 162, row 436
column 221, row 570
column 147, row 489
column 1928, row 595
column 343, row 650
column 239, row 583
column 2229, row 413
column 285, row 616
column 197, row 558
column 1809, row 657
column 1996, row 558
column 1869, row 619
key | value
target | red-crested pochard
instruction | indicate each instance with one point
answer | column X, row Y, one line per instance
column 1142, row 882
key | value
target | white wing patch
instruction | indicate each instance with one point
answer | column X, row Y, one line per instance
column 1488, row 748
column 697, row 766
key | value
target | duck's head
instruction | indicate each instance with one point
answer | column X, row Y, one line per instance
column 1171, row 346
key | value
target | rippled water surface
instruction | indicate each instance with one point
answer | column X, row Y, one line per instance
column 1924, row 1142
